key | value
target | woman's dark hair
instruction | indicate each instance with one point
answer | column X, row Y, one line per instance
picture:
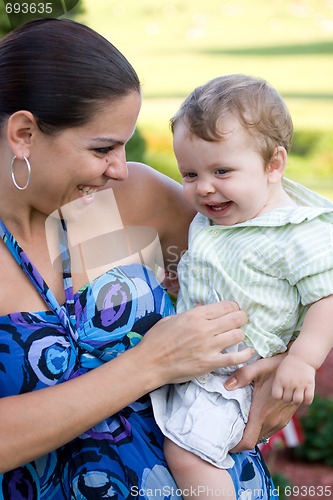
column 62, row 72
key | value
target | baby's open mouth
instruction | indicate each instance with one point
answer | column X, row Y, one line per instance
column 218, row 206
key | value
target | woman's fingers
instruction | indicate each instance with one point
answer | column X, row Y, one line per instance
column 267, row 415
column 229, row 322
column 223, row 317
column 191, row 343
column 266, row 418
column 217, row 309
column 220, row 325
column 247, row 374
column 235, row 358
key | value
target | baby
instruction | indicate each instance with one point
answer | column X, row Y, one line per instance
column 258, row 239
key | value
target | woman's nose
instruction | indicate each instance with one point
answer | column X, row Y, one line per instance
column 117, row 169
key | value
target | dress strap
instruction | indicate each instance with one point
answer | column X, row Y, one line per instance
column 102, row 355
column 65, row 313
column 66, row 271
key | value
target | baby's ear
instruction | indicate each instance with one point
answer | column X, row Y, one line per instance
column 277, row 165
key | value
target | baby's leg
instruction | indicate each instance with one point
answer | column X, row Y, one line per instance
column 197, row 478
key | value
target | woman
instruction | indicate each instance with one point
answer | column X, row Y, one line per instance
column 75, row 418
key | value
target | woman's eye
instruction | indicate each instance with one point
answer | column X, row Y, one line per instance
column 103, row 151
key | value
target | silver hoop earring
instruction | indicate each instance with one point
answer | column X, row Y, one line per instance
column 13, row 175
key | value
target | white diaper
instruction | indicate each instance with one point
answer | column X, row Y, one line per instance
column 202, row 416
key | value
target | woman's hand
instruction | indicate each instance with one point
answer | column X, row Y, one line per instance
column 184, row 346
column 267, row 415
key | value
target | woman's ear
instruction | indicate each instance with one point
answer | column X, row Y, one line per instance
column 20, row 129
column 277, row 165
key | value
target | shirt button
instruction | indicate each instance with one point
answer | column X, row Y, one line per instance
column 215, row 233
column 197, row 271
column 203, row 378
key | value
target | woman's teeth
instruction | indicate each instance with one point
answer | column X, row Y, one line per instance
column 87, row 190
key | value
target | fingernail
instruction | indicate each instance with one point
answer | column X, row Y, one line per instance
column 231, row 383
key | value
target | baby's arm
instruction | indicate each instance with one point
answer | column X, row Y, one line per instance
column 295, row 377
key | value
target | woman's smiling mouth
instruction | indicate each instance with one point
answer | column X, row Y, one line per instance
column 87, row 190
column 87, row 193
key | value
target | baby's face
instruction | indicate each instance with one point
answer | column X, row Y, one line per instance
column 224, row 180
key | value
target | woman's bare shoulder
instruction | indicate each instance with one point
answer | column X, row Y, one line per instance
column 140, row 174
column 146, row 192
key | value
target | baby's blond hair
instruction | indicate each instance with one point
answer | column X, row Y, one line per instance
column 257, row 105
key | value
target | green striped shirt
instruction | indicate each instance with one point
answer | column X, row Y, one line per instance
column 273, row 266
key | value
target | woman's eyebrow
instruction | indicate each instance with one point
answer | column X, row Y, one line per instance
column 109, row 140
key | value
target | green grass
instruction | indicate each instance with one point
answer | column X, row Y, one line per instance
column 176, row 45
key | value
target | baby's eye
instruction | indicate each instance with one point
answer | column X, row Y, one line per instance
column 191, row 175
column 222, row 171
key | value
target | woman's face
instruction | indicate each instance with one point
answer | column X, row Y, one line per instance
column 79, row 161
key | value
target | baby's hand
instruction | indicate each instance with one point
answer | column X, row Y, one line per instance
column 294, row 381
column 170, row 283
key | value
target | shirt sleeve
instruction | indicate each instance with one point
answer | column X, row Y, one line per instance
column 312, row 266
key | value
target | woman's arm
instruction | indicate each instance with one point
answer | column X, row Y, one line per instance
column 176, row 349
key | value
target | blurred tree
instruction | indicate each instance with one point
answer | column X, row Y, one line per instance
column 16, row 12
column 136, row 147
column 4, row 21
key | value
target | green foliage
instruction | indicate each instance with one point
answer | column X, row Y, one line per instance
column 312, row 143
column 136, row 147
column 317, row 426
column 77, row 12
column 305, row 142
column 164, row 162
column 4, row 22
column 311, row 158
column 281, row 482
column 16, row 20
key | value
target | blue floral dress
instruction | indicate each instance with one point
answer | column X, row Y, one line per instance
column 120, row 458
